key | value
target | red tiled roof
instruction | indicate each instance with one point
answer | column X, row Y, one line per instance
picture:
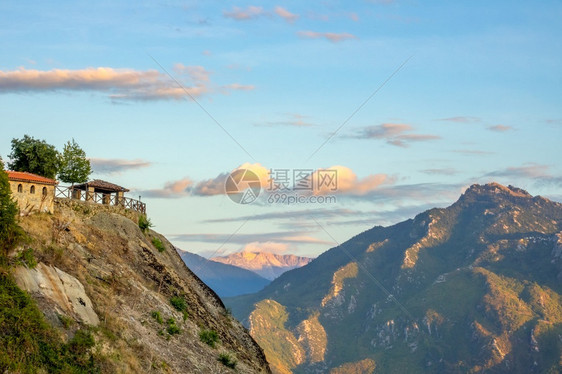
column 23, row 176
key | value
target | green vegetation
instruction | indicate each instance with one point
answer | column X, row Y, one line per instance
column 10, row 232
column 34, row 156
column 209, row 337
column 227, row 360
column 30, row 344
column 65, row 321
column 157, row 243
column 74, row 167
column 144, row 223
column 178, row 303
column 477, row 283
column 157, row 317
column 26, row 258
column 172, row 327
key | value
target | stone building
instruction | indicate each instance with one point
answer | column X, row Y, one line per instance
column 32, row 192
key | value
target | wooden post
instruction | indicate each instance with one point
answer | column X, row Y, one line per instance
column 118, row 197
column 89, row 193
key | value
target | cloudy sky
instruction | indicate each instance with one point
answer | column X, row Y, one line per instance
column 408, row 101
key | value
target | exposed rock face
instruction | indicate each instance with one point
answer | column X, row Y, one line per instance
column 475, row 287
column 283, row 347
column 104, row 259
column 267, row 265
column 61, row 290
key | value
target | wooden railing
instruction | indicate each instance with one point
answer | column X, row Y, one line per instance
column 62, row 192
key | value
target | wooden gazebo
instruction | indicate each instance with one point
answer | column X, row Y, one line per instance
column 111, row 193
column 100, row 192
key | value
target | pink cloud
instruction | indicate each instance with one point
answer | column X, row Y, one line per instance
column 500, row 128
column 461, row 119
column 119, row 84
column 215, row 186
column 240, row 14
column 346, row 181
column 335, row 180
column 398, row 134
column 239, row 87
column 285, row 14
column 331, row 36
column 174, row 189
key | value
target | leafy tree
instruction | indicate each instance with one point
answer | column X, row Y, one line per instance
column 34, row 156
column 10, row 232
column 74, row 166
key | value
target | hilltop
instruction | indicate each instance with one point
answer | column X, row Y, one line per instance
column 93, row 272
column 474, row 287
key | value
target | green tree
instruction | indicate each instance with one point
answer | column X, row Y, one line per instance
column 10, row 231
column 74, row 166
column 34, row 156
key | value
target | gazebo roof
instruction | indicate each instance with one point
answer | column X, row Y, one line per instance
column 24, row 176
column 101, row 186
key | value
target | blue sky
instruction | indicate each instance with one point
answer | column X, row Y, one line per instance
column 465, row 92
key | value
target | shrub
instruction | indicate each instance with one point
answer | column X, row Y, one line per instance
column 209, row 337
column 10, row 232
column 156, row 315
column 172, row 327
column 157, row 243
column 26, row 258
column 179, row 303
column 65, row 321
column 30, row 345
column 227, row 360
column 79, row 348
column 144, row 223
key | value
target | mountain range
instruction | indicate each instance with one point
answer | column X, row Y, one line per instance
column 472, row 288
column 267, row 265
column 226, row 280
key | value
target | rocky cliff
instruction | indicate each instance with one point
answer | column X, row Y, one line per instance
column 147, row 311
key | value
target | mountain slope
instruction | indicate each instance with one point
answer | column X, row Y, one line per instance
column 268, row 265
column 225, row 280
column 475, row 287
column 145, row 310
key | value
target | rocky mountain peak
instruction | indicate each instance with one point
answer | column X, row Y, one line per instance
column 268, row 265
column 496, row 189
